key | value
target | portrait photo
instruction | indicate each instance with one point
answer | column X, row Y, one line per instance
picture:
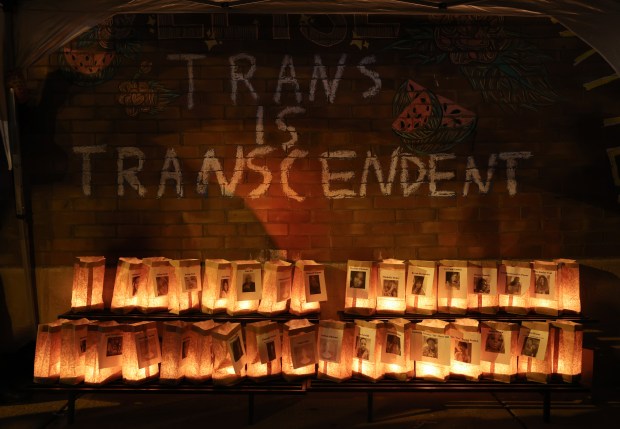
column 542, row 284
column 237, row 350
column 82, row 345
column 191, row 282
column 135, row 282
column 430, row 349
column 328, row 349
column 495, row 342
column 513, row 287
column 362, row 350
column 453, row 280
column 145, row 345
column 162, row 281
column 481, row 285
column 114, row 346
column 390, row 288
column 314, row 284
column 418, row 286
column 303, row 355
column 358, row 280
column 462, row 352
column 224, row 288
column 392, row 344
column 530, row 347
column 271, row 350
column 248, row 283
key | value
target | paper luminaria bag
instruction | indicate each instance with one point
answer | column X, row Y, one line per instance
column 361, row 288
column 104, row 353
column 47, row 352
column 175, row 345
column 544, row 296
column 421, row 290
column 277, row 282
column 483, row 297
column 396, row 355
column 369, row 341
column 229, row 356
column 568, row 284
column 184, row 289
column 499, row 350
column 299, row 354
column 141, row 352
column 216, row 285
column 245, row 288
column 158, row 272
column 465, row 358
column 199, row 362
column 535, row 351
column 335, row 346
column 263, row 342
column 87, row 291
column 130, row 278
column 309, row 287
column 73, row 350
column 567, row 350
column 514, row 283
column 452, row 287
column 391, row 287
column 431, row 349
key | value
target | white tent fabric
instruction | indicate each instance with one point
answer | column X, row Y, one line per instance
column 42, row 26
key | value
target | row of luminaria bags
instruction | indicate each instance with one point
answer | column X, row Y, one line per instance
column 273, row 287
column 75, row 351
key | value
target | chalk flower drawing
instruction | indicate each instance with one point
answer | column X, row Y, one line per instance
column 501, row 65
column 94, row 56
column 144, row 97
column 428, row 122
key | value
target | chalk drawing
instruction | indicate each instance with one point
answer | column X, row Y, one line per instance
column 129, row 175
column 511, row 167
column 190, row 73
column 261, row 189
column 385, row 186
column 237, row 76
column 320, row 72
column 285, row 167
column 435, row 176
column 374, row 90
column 327, row 176
column 175, row 174
column 211, row 164
column 473, row 174
column 290, row 79
column 86, row 152
column 411, row 188
column 282, row 126
column 324, row 36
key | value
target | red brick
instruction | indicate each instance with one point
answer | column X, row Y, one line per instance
column 374, row 241
column 270, row 229
column 94, row 204
column 292, row 242
column 441, row 227
column 457, row 213
column 352, row 203
column 289, row 216
column 180, row 204
column 417, row 215
column 436, row 253
column 310, row 229
column 139, row 231
column 84, row 231
column 416, row 240
column 395, row 228
column 212, row 216
column 181, row 231
column 332, row 216
column 351, row 229
column 203, row 243
column 371, row 216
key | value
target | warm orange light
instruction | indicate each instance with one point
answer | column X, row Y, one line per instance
column 216, row 285
column 569, row 287
column 431, row 349
column 199, row 364
column 141, row 352
column 421, row 289
column 130, row 278
column 87, row 291
column 185, row 285
column 369, row 340
column 97, row 370
column 73, row 350
column 153, row 296
column 174, row 352
column 545, row 294
column 293, row 328
column 228, row 364
column 47, row 353
column 539, row 368
column 335, row 338
column 391, row 287
column 452, row 287
column 400, row 366
column 268, row 333
column 514, row 284
column 244, row 272
column 465, row 357
column 499, row 351
column 568, row 350
column 300, row 305
column 277, row 277
column 361, row 287
column 483, row 296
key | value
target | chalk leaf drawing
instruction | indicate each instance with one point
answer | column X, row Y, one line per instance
column 506, row 69
column 428, row 122
column 140, row 95
column 93, row 57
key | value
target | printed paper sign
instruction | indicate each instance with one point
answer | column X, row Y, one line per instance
column 283, row 285
column 135, row 276
column 110, row 350
column 392, row 283
column 236, row 349
column 249, row 284
column 147, row 348
column 358, row 282
column 160, row 280
column 394, row 347
column 314, row 283
column 496, row 346
column 534, row 344
column 544, row 284
column 420, row 280
column 466, row 347
column 365, row 343
column 330, row 344
column 223, row 280
column 431, row 347
column 453, row 282
column 189, row 278
column 485, row 281
column 303, row 349
column 269, row 346
column 517, row 280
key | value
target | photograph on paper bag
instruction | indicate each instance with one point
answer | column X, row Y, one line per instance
column 361, row 348
column 390, row 288
column 184, row 348
column 513, row 287
column 271, row 350
column 542, row 284
column 144, row 347
column 481, row 285
column 83, row 345
column 135, row 282
column 462, row 352
column 114, row 346
column 248, row 283
column 495, row 342
column 430, row 348
column 303, row 355
column 191, row 282
column 314, row 284
column 453, row 280
column 418, row 286
column 392, row 344
column 237, row 350
column 224, row 288
column 328, row 349
column 358, row 280
column 530, row 347
column 162, row 284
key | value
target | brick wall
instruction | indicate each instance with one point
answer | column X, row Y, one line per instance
column 565, row 203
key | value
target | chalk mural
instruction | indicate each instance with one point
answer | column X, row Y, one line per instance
column 140, row 95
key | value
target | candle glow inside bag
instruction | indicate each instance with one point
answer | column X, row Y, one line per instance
column 514, row 283
column 499, row 350
column 569, row 286
column 361, row 288
column 536, row 341
column 277, row 282
column 47, row 352
column 391, row 287
column 369, row 341
column 421, row 290
column 465, row 359
column 175, row 346
column 73, row 335
column 484, row 297
column 130, row 278
column 335, row 347
column 452, row 287
column 309, row 288
column 199, row 362
column 159, row 274
column 104, row 353
column 229, row 357
column 141, row 353
column 185, row 287
column 396, row 355
column 216, row 285
column 431, row 349
column 567, row 350
column 299, row 354
column 545, row 296
column 87, row 291
column 246, row 288
column 263, row 349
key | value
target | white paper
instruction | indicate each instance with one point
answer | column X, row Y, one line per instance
column 420, row 280
column 431, row 347
column 110, row 350
column 392, row 283
column 147, row 348
column 358, row 281
column 223, row 280
column 544, row 284
column 330, row 344
column 466, row 347
column 283, row 284
column 365, row 343
column 517, row 280
column 135, row 277
column 160, row 277
column 189, row 278
column 303, row 349
column 453, row 282
column 485, row 281
column 535, row 344
column 314, row 283
column 236, row 349
column 496, row 346
column 249, row 284
column 269, row 346
column 394, row 347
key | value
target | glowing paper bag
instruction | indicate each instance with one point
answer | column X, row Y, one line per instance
column 535, row 351
column 514, row 283
column 277, row 282
column 141, row 352
column 309, row 288
column 452, row 287
column 87, row 291
column 545, row 295
column 229, row 356
column 73, row 335
column 175, row 345
column 153, row 296
column 391, row 287
column 361, row 288
column 47, row 353
column 336, row 341
column 396, row 353
column 465, row 359
column 104, row 353
column 369, row 341
column 130, row 278
column 567, row 350
column 199, row 362
column 483, row 297
column 184, row 293
column 431, row 349
column 569, row 287
column 299, row 354
column 216, row 285
column 421, row 290
column 499, row 350
column 246, row 288
column 263, row 350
